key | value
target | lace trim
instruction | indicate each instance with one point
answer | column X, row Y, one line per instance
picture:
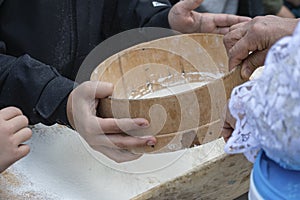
column 267, row 109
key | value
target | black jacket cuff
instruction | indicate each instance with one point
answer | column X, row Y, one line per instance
column 160, row 19
column 53, row 101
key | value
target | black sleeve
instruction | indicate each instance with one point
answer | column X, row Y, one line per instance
column 251, row 8
column 143, row 13
column 37, row 89
column 153, row 13
column 272, row 7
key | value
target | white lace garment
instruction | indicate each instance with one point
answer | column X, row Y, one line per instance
column 267, row 109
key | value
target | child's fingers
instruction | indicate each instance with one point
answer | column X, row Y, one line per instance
column 22, row 136
column 23, row 150
column 17, row 123
column 9, row 113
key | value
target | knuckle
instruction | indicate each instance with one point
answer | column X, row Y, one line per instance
column 7, row 127
column 109, row 126
column 231, row 54
column 28, row 132
column 120, row 144
column 258, row 18
column 11, row 142
column 86, row 85
column 27, row 150
column 16, row 110
column 82, row 88
column 101, row 128
column 25, row 119
column 116, row 128
column 226, row 40
column 16, row 153
column 258, row 27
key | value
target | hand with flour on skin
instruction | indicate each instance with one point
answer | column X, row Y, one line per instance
column 183, row 18
column 106, row 135
column 256, row 36
column 13, row 133
column 229, row 124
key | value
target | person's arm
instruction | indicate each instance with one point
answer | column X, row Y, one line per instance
column 45, row 96
column 153, row 13
column 36, row 88
column 139, row 13
column 180, row 17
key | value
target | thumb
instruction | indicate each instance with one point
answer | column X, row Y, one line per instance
column 253, row 61
column 190, row 4
column 103, row 89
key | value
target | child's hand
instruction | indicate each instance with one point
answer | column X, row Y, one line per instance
column 13, row 132
column 105, row 135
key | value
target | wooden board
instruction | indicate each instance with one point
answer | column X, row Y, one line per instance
column 61, row 166
column 225, row 178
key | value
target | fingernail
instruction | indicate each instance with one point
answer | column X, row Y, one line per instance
column 151, row 143
column 143, row 124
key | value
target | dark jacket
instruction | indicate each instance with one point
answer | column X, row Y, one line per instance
column 43, row 43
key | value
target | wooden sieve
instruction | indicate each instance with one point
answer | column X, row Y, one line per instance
column 178, row 120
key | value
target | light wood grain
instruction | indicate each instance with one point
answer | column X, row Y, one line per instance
column 176, row 119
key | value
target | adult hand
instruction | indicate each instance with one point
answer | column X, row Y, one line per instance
column 13, row 133
column 256, row 36
column 229, row 124
column 105, row 135
column 182, row 18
